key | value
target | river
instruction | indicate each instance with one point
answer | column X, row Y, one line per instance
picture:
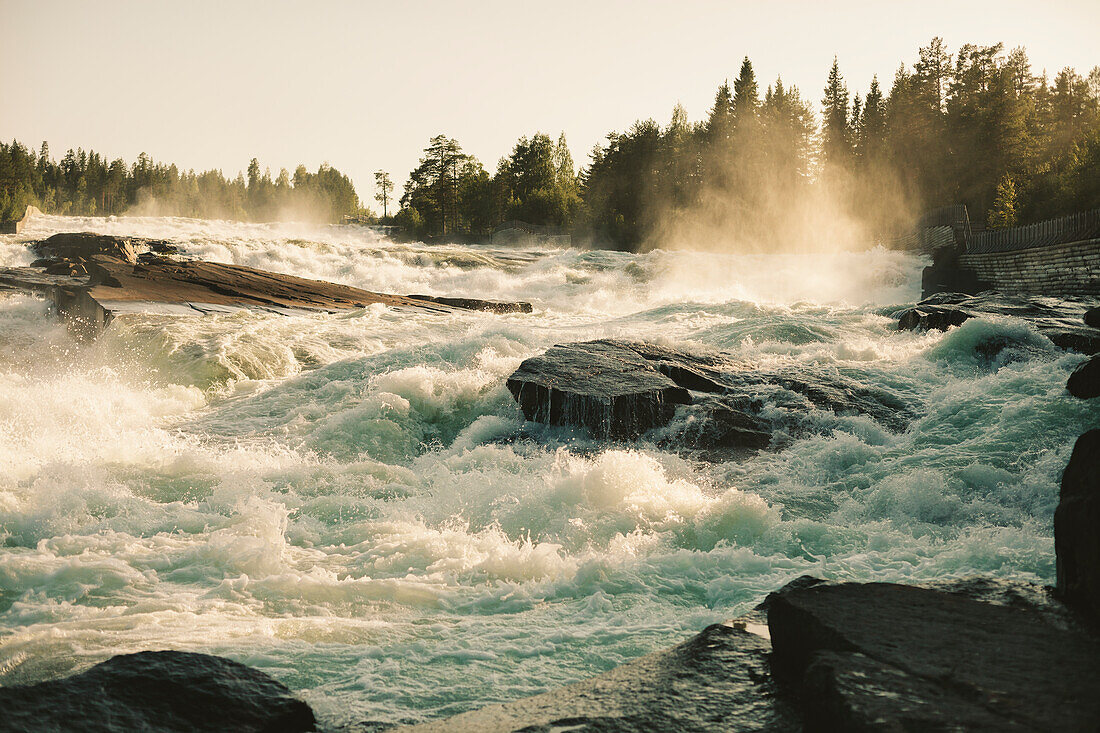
column 353, row 503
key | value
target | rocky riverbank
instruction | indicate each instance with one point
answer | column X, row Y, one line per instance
column 92, row 278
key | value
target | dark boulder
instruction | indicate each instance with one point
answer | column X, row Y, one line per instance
column 1077, row 528
column 1085, row 380
column 85, row 245
column 601, row 385
column 880, row 656
column 476, row 304
column 1059, row 320
column 157, row 692
column 620, row 389
column 1092, row 317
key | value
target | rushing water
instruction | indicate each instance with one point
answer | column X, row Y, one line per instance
column 353, row 504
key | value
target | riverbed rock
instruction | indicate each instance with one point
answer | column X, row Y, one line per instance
column 620, row 389
column 84, row 245
column 1092, row 317
column 882, row 656
column 157, row 692
column 1059, row 320
column 600, row 385
column 477, row 304
column 1077, row 528
column 1084, row 382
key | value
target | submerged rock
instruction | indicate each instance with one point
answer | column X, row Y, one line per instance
column 1077, row 527
column 157, row 692
column 719, row 680
column 1085, row 380
column 881, row 656
column 1057, row 319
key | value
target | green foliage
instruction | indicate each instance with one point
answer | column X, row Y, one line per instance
column 85, row 183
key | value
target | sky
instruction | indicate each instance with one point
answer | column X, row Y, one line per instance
column 364, row 85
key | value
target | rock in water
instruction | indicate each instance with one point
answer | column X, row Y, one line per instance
column 880, row 656
column 620, row 389
column 1077, row 527
column 84, row 245
column 1085, row 380
column 601, row 385
column 1058, row 320
column 477, row 304
column 1092, row 317
column 157, row 692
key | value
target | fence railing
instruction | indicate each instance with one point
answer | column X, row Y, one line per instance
column 1072, row 228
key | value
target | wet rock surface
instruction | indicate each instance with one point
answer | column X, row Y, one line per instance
column 604, row 386
column 880, row 656
column 620, row 389
column 106, row 275
column 1062, row 321
column 157, row 692
column 1084, row 382
column 1077, row 528
column 476, row 304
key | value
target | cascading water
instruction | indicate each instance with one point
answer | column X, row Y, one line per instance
column 353, row 503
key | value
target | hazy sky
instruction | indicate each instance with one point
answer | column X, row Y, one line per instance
column 363, row 85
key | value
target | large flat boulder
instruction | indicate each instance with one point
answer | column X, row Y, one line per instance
column 1077, row 528
column 621, row 389
column 601, row 385
column 156, row 692
column 881, row 656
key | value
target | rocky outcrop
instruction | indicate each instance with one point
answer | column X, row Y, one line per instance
column 881, row 656
column 79, row 246
column 91, row 278
column 1077, row 528
column 601, row 385
column 476, row 304
column 1084, row 382
column 1058, row 320
column 157, row 692
column 620, row 389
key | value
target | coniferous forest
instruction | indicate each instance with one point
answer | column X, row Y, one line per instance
column 978, row 126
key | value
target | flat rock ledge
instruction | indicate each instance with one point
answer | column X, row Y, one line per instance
column 157, row 692
column 1067, row 323
column 92, row 278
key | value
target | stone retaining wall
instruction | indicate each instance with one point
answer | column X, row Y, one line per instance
column 1071, row 269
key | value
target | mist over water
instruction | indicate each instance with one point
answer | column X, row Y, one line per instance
column 353, row 503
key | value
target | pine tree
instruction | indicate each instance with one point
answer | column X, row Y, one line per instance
column 836, row 134
column 746, row 93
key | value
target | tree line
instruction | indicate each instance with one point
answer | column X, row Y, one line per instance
column 86, row 183
column 978, row 127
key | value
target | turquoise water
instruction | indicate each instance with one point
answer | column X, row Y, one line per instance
column 353, row 503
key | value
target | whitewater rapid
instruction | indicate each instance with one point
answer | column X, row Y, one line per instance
column 353, row 503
